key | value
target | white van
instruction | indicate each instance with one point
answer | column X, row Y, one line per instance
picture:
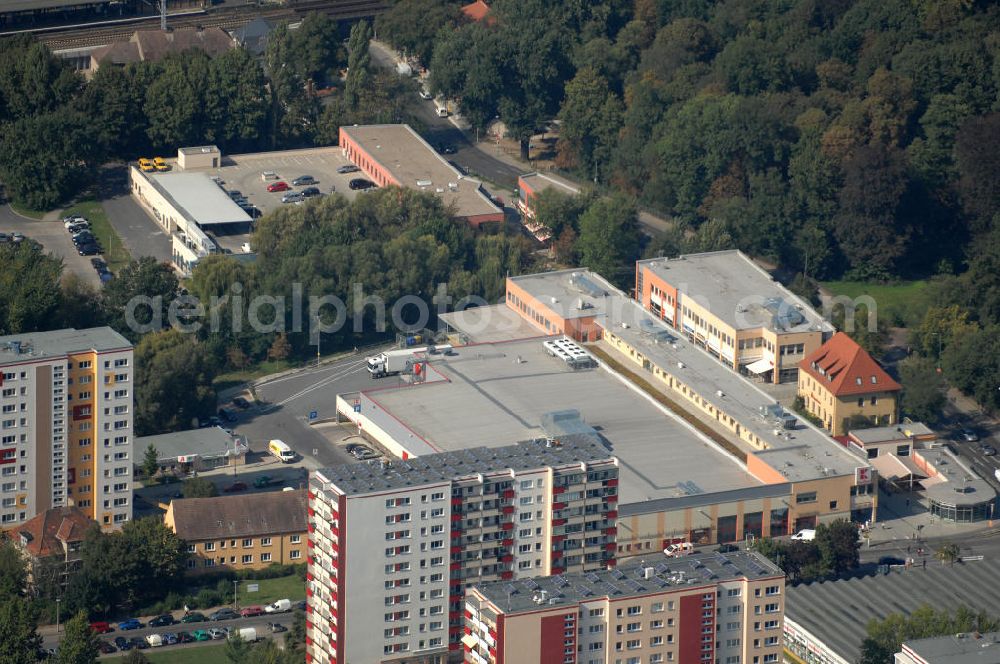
column 281, row 450
column 806, row 535
column 154, row 640
column 281, row 606
column 678, row 549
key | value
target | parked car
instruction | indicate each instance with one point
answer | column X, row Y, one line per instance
column 16, row 237
column 263, row 481
column 309, row 192
column 235, row 193
column 292, row 197
column 300, row 605
column 891, row 560
column 170, row 639
column 360, row 184
column 98, row 264
column 235, row 487
column 678, row 549
column 225, row 614
column 447, row 148
column 106, row 648
column 303, row 180
column 349, row 168
column 241, row 403
column 162, row 621
column 969, row 436
column 425, row 95
column 216, row 633
column 184, row 637
column 77, row 228
column 196, row 616
column 140, row 643
column 252, row 611
column 4, row 238
column 281, row 185
column 130, row 623
column 101, row 627
column 201, row 635
column 146, row 165
column 277, row 628
column 988, row 450
column 89, row 249
column 161, row 164
column 154, row 640
column 122, row 643
column 74, row 219
column 268, row 175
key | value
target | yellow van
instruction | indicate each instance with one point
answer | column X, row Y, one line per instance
column 146, row 165
column 161, row 164
column 281, row 451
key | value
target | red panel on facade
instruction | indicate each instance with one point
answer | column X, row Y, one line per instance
column 689, row 639
column 507, row 526
column 498, row 636
column 11, row 458
column 550, row 648
column 612, row 514
column 556, row 490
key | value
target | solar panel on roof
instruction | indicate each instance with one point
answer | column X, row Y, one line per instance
column 617, row 573
column 634, row 585
column 662, row 568
column 510, row 589
column 592, row 577
column 560, row 581
column 530, row 584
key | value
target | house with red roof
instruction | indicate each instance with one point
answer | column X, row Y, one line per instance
column 476, row 11
column 845, row 387
column 53, row 537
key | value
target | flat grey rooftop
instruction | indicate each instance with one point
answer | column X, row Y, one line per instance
column 574, row 293
column 627, row 581
column 885, row 434
column 200, row 199
column 837, row 612
column 735, row 289
column 495, row 394
column 38, row 345
column 360, row 478
column 490, row 324
column 413, row 162
column 541, row 181
column 802, row 453
column 968, row 648
column 206, row 442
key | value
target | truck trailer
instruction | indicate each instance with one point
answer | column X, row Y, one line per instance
column 392, row 362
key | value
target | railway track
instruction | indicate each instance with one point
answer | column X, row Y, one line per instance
column 86, row 36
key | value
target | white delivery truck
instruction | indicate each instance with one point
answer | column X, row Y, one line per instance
column 281, row 450
column 391, row 362
column 281, row 606
column 154, row 640
column 248, row 634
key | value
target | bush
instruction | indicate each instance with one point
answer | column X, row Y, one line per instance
column 207, row 598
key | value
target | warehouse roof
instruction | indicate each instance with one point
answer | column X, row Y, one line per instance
column 207, row 442
column 573, row 293
column 623, row 582
column 358, row 478
column 38, row 345
column 837, row 612
column 738, row 291
column 963, row 648
column 413, row 163
column 252, row 515
column 197, row 197
column 516, row 387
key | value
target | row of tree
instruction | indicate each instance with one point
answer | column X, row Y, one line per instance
column 834, row 551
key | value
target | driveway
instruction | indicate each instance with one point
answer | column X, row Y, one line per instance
column 139, row 233
column 54, row 238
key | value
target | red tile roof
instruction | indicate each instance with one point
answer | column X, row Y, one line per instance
column 845, row 369
column 476, row 11
column 43, row 535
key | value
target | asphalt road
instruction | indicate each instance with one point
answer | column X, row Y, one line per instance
column 54, row 238
column 285, row 403
column 259, row 622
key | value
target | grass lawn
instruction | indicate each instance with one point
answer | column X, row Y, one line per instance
column 28, row 212
column 115, row 254
column 284, row 587
column 213, row 654
column 901, row 304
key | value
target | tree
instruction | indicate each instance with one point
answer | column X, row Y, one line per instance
column 237, row 649
column 977, row 156
column 280, row 348
column 838, row 546
column 150, row 461
column 19, row 639
column 885, row 637
column 13, row 570
column 972, row 363
column 591, row 115
column 29, row 288
column 358, row 63
column 174, row 374
column 939, row 327
column 411, row 27
column 609, row 237
column 923, row 390
column 139, row 296
column 78, row 303
column 948, row 553
column 199, row 487
column 79, row 645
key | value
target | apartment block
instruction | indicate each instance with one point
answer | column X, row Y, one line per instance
column 393, row 546
column 700, row 609
column 727, row 305
column 241, row 532
column 66, row 436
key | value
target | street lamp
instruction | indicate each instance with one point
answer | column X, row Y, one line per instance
column 236, row 604
column 57, row 616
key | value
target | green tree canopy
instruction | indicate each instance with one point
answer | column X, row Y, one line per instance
column 19, row 639
column 29, row 288
column 79, row 644
column 173, row 384
column 199, row 487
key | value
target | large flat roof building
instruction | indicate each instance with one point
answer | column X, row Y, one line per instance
column 735, row 310
column 827, row 621
column 962, row 648
column 394, row 154
column 700, row 608
column 70, row 442
column 394, row 545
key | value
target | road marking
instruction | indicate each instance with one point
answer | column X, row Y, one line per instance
column 322, row 383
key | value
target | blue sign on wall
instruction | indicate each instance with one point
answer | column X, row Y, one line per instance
column 313, row 414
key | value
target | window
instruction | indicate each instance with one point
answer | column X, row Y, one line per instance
column 807, row 497
column 247, row 543
column 295, row 555
column 656, row 607
column 295, row 539
column 210, row 546
column 265, row 541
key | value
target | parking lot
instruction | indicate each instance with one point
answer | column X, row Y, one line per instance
column 243, row 173
column 54, row 238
